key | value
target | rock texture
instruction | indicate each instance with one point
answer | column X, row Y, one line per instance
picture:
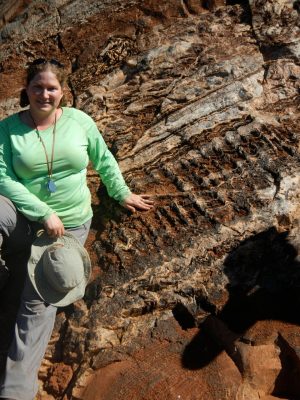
column 199, row 101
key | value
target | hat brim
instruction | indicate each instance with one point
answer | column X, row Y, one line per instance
column 40, row 282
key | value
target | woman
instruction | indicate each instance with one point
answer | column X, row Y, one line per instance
column 44, row 153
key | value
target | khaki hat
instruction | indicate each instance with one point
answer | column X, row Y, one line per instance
column 59, row 268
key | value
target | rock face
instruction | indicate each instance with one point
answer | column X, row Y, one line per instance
column 199, row 101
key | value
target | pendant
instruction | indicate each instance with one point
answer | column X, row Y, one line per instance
column 51, row 187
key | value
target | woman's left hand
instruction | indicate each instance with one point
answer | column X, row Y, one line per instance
column 135, row 202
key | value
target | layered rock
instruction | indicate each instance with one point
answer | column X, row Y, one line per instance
column 199, row 101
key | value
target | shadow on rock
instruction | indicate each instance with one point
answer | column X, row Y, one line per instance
column 264, row 281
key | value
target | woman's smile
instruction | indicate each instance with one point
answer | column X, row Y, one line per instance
column 44, row 92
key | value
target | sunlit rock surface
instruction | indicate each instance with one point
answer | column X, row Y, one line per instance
column 199, row 102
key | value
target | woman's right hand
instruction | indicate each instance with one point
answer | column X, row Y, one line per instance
column 54, row 227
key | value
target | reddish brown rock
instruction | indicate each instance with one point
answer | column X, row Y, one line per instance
column 156, row 372
column 59, row 378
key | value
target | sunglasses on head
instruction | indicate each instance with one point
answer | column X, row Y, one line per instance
column 39, row 61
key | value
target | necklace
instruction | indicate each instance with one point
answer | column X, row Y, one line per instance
column 50, row 185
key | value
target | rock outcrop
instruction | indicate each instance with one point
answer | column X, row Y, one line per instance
column 199, row 101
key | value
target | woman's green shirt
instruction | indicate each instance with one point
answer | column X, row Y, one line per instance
column 24, row 172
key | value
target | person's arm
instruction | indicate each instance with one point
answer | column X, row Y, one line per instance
column 27, row 203
column 106, row 165
column 10, row 186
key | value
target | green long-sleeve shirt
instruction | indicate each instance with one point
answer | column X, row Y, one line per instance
column 24, row 173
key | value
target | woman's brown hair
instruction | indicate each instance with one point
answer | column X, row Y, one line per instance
column 41, row 65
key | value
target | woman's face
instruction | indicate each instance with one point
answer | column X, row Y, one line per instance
column 44, row 92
